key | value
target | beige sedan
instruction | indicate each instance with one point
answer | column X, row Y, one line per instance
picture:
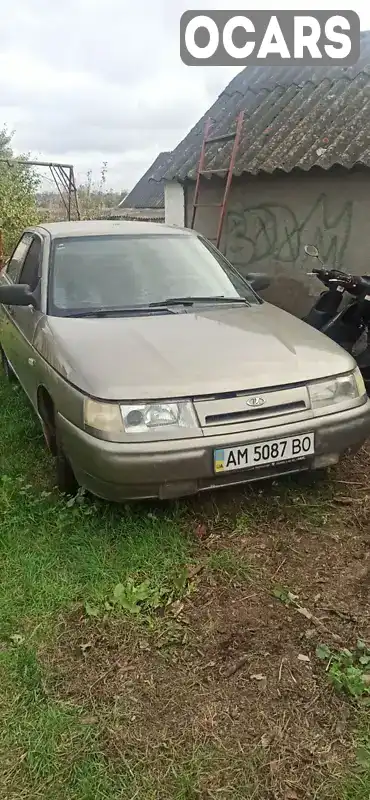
column 157, row 371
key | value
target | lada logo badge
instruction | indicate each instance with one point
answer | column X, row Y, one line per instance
column 255, row 402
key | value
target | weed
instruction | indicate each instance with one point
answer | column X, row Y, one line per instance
column 144, row 597
column 283, row 594
column 348, row 670
column 135, row 598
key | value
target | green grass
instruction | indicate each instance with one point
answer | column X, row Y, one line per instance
column 230, row 565
column 355, row 786
column 54, row 555
column 55, row 755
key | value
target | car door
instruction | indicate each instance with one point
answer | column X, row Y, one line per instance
column 25, row 320
column 10, row 274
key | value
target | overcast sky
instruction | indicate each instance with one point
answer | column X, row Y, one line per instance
column 89, row 81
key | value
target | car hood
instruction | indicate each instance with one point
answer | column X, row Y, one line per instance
column 188, row 354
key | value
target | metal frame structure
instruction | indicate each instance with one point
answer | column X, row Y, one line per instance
column 228, row 170
column 64, row 179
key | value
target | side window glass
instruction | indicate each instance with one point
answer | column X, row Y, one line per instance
column 30, row 271
column 16, row 260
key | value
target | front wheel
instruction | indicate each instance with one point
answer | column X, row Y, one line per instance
column 8, row 372
column 66, row 481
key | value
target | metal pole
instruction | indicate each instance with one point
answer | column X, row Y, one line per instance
column 75, row 193
column 64, row 172
column 69, row 192
column 53, row 171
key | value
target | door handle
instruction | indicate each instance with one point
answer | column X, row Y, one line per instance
column 31, row 362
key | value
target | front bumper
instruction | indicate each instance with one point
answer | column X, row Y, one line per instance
column 164, row 470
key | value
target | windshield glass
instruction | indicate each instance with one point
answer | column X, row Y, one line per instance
column 93, row 272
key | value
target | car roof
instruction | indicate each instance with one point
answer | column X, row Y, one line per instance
column 110, row 228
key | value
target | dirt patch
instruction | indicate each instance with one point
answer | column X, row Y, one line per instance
column 229, row 679
column 235, row 673
column 235, row 681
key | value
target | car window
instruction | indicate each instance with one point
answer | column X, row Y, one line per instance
column 30, row 271
column 108, row 271
column 16, row 259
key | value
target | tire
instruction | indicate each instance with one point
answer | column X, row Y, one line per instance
column 8, row 372
column 66, row 481
column 49, row 436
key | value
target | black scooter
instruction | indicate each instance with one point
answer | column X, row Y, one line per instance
column 348, row 324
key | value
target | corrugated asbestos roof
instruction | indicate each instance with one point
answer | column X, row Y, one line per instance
column 148, row 193
column 294, row 117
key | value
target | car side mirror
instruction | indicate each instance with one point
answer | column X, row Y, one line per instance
column 17, row 294
column 259, row 281
column 311, row 250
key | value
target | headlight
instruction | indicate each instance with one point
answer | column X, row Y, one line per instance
column 359, row 382
column 142, row 417
column 150, row 419
column 103, row 417
column 337, row 390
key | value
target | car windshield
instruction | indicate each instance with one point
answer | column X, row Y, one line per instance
column 95, row 272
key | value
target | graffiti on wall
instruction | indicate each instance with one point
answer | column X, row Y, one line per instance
column 269, row 230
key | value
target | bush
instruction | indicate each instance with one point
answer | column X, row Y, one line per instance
column 18, row 186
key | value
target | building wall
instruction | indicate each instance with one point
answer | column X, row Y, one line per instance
column 270, row 219
column 174, row 203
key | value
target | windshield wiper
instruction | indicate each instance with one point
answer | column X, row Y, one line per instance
column 161, row 305
column 190, row 301
column 122, row 311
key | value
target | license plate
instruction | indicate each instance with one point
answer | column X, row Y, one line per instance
column 259, row 454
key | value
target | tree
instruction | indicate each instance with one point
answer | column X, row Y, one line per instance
column 94, row 198
column 91, row 196
column 18, row 187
